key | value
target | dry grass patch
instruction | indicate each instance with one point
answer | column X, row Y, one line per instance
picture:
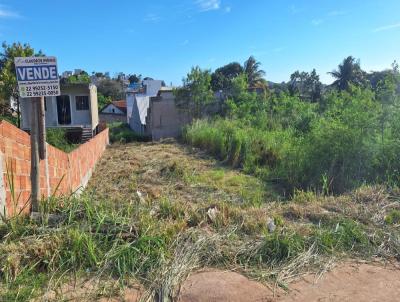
column 153, row 213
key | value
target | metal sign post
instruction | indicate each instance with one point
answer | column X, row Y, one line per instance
column 37, row 78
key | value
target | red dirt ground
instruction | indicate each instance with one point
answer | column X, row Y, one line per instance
column 347, row 282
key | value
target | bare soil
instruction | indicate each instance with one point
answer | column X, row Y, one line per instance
column 347, row 282
column 222, row 286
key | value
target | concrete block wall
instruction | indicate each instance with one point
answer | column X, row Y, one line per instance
column 62, row 174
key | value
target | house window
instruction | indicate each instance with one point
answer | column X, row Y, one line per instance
column 82, row 102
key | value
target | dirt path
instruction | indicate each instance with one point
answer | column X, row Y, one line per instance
column 347, row 282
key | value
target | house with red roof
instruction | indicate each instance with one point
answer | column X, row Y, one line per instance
column 114, row 112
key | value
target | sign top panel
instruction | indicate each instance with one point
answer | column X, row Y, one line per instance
column 37, row 76
column 32, row 61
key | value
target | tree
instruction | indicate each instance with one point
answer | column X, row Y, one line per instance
column 386, row 94
column 221, row 79
column 8, row 81
column 81, row 78
column 99, row 75
column 102, row 100
column 111, row 88
column 134, row 78
column 196, row 92
column 254, row 73
column 395, row 67
column 349, row 72
column 306, row 85
column 376, row 77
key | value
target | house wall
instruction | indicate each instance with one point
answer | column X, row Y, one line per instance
column 94, row 108
column 130, row 98
column 78, row 117
column 139, row 112
column 165, row 119
column 86, row 118
column 110, row 108
column 110, row 118
column 51, row 112
column 65, row 172
column 152, row 87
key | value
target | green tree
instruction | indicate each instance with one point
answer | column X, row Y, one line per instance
column 254, row 73
column 111, row 88
column 222, row 78
column 102, row 100
column 81, row 78
column 99, row 75
column 386, row 95
column 8, row 80
column 349, row 73
column 306, row 85
column 196, row 92
column 135, row 78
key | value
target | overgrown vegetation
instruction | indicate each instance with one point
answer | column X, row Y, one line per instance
column 9, row 118
column 121, row 133
column 155, row 212
column 347, row 138
column 57, row 137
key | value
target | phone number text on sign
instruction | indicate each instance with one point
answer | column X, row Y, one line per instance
column 28, row 91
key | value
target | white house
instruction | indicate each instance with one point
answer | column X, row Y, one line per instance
column 151, row 111
column 113, row 112
column 75, row 110
column 138, row 102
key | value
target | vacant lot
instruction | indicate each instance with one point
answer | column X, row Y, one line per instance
column 155, row 213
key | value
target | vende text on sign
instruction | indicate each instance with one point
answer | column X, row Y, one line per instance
column 37, row 76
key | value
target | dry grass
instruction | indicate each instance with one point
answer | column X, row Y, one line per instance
column 185, row 211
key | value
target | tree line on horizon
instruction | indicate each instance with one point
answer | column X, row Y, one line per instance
column 306, row 85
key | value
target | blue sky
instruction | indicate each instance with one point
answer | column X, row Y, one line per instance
column 163, row 39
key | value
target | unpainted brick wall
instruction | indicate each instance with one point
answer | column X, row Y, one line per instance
column 67, row 172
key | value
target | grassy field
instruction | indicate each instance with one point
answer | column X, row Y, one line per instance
column 154, row 212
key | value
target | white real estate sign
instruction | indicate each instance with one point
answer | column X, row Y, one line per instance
column 37, row 76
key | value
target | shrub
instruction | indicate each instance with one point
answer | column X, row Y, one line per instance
column 57, row 138
column 393, row 217
column 346, row 143
column 9, row 118
column 342, row 235
column 121, row 133
column 282, row 246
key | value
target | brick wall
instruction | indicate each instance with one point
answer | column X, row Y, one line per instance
column 62, row 174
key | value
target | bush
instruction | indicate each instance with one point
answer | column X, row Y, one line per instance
column 248, row 148
column 9, row 118
column 343, row 235
column 349, row 141
column 57, row 138
column 393, row 217
column 121, row 133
